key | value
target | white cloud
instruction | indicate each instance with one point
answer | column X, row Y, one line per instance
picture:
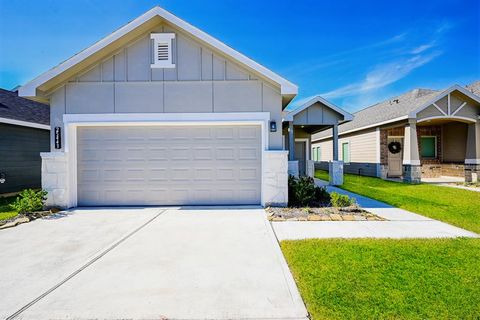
column 383, row 75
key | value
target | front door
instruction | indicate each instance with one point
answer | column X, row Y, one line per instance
column 300, row 148
column 395, row 159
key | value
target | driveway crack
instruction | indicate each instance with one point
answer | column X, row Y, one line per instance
column 86, row 265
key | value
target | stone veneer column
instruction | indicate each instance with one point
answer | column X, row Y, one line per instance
column 472, row 155
column 293, row 168
column 55, row 179
column 412, row 170
column 335, row 172
column 275, row 178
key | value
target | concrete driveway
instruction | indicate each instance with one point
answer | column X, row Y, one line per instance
column 147, row 263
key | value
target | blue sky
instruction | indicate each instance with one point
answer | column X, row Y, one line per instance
column 354, row 53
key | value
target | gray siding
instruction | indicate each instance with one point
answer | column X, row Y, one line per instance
column 363, row 152
column 20, row 160
column 202, row 81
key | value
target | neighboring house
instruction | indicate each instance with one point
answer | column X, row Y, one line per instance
column 161, row 113
column 422, row 133
column 24, row 133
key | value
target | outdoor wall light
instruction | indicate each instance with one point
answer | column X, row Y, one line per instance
column 3, row 177
column 273, row 126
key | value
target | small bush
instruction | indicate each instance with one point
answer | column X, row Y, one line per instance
column 29, row 201
column 303, row 192
column 341, row 200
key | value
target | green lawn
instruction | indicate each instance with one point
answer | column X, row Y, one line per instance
column 5, row 211
column 455, row 206
column 387, row 279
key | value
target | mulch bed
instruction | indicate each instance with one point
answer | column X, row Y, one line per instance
column 352, row 213
column 22, row 218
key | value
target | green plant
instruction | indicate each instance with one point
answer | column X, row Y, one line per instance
column 341, row 200
column 302, row 192
column 29, row 201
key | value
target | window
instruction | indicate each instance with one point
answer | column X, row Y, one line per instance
column 319, row 154
column 346, row 152
column 428, row 147
column 162, row 50
column 316, row 153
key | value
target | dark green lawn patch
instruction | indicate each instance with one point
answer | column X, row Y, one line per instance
column 387, row 279
column 455, row 206
column 5, row 211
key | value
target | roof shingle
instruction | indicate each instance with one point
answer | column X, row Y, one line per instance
column 390, row 109
column 17, row 108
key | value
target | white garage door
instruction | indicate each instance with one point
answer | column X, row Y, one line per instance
column 169, row 165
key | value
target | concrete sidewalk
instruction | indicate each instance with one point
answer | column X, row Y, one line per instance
column 401, row 224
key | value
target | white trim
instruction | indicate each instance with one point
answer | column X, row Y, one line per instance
column 446, row 118
column 30, row 89
column 378, row 157
column 411, row 162
column 459, row 108
column 346, row 115
column 472, row 161
column 25, row 123
column 439, row 109
column 347, row 142
column 365, row 127
column 73, row 121
column 413, row 114
column 449, row 105
column 162, row 39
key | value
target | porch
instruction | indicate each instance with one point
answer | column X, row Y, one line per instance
column 298, row 125
column 441, row 139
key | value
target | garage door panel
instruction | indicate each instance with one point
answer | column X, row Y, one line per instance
column 182, row 165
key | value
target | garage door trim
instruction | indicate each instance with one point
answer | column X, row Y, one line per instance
column 73, row 121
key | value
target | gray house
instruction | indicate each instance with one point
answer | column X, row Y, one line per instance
column 24, row 133
column 422, row 133
column 161, row 113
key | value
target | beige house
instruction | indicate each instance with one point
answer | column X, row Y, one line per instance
column 422, row 133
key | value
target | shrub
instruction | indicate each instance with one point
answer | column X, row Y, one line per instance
column 341, row 200
column 29, row 201
column 303, row 192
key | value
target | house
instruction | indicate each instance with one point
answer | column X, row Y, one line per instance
column 24, row 133
column 161, row 113
column 422, row 133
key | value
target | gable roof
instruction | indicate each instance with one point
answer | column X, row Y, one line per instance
column 37, row 85
column 346, row 116
column 24, row 112
column 398, row 108
column 456, row 87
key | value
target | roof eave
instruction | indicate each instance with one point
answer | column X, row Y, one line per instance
column 31, row 88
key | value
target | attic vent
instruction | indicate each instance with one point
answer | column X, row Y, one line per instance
column 162, row 50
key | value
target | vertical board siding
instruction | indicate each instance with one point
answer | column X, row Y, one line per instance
column 20, row 160
column 202, row 81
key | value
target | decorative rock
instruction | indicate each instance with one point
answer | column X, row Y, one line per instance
column 314, row 217
column 348, row 217
column 326, row 218
column 278, row 219
column 336, row 217
column 360, row 218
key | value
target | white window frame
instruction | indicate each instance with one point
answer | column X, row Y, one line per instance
column 349, row 152
column 162, row 38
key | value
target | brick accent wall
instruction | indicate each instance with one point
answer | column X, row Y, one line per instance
column 435, row 131
column 384, row 134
